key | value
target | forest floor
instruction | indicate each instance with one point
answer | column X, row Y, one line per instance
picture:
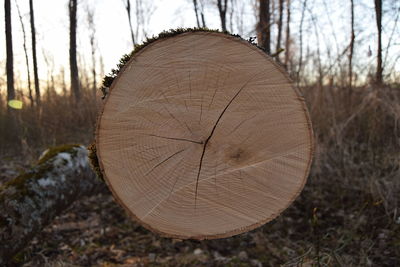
column 347, row 215
column 328, row 225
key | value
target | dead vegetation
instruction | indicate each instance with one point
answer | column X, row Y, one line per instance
column 347, row 215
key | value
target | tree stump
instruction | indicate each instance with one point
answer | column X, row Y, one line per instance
column 203, row 136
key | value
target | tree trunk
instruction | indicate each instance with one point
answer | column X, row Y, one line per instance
column 378, row 15
column 30, row 202
column 12, row 133
column 301, row 42
column 222, row 7
column 75, row 90
column 9, row 48
column 203, row 20
column 92, row 39
column 35, row 68
column 264, row 26
column 128, row 11
column 280, row 18
column 287, row 42
column 196, row 12
column 26, row 54
column 352, row 38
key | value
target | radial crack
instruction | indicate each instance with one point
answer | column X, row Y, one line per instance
column 164, row 160
column 198, row 173
column 211, row 134
column 177, row 139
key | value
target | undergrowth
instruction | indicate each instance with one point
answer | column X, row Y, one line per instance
column 348, row 213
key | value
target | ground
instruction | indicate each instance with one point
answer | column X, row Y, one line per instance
column 330, row 224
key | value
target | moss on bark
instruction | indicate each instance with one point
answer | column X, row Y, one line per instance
column 94, row 162
column 30, row 201
column 51, row 152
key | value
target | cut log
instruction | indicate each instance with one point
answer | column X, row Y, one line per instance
column 203, row 136
column 30, row 202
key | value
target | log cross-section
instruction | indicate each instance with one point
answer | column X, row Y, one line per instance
column 203, row 135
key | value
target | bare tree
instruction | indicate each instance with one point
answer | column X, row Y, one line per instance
column 63, row 83
column 12, row 132
column 35, row 66
column 301, row 41
column 50, row 83
column 264, row 26
column 26, row 53
column 9, row 49
column 222, row 7
column 196, row 11
column 280, row 19
column 352, row 38
column 239, row 15
column 287, row 41
column 92, row 34
column 143, row 10
column 198, row 8
column 378, row 15
column 231, row 11
column 127, row 4
column 203, row 20
column 75, row 90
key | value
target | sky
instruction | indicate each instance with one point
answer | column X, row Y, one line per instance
column 112, row 31
column 113, row 35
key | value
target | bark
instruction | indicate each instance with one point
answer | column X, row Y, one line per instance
column 196, row 12
column 92, row 39
column 352, row 38
column 30, row 201
column 222, row 7
column 12, row 133
column 280, row 19
column 26, row 54
column 35, row 67
column 203, row 20
column 287, row 43
column 378, row 15
column 9, row 48
column 128, row 11
column 301, row 41
column 264, row 26
column 75, row 90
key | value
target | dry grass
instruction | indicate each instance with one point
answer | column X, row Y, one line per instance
column 358, row 140
column 347, row 215
column 57, row 121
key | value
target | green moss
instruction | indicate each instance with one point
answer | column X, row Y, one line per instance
column 94, row 162
column 21, row 182
column 108, row 79
column 236, row 262
column 18, row 258
column 18, row 183
column 55, row 150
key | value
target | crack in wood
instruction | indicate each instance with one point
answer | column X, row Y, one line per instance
column 190, row 87
column 177, row 139
column 211, row 134
column 217, row 87
column 166, row 99
column 180, row 123
column 164, row 160
column 176, row 180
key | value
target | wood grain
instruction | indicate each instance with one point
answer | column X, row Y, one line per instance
column 204, row 136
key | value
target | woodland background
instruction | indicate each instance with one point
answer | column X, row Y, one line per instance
column 343, row 55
